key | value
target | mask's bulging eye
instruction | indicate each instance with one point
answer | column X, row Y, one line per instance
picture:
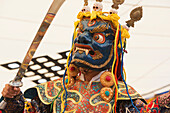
column 99, row 37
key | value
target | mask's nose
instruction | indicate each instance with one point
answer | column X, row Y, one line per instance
column 83, row 38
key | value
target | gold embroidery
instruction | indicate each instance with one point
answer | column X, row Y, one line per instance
column 98, row 55
column 80, row 27
column 54, row 107
column 100, row 28
column 127, row 94
column 107, row 34
column 55, row 84
column 96, row 66
column 72, row 100
column 122, row 86
column 80, row 52
column 46, row 94
column 57, row 89
column 39, row 95
column 101, row 102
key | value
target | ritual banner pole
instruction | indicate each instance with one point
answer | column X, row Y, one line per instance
column 17, row 81
column 39, row 36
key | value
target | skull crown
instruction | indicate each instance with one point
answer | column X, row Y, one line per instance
column 85, row 9
column 97, row 6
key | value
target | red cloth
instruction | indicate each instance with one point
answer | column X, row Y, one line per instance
column 152, row 107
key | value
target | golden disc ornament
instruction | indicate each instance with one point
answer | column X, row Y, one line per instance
column 73, row 70
column 106, row 93
column 106, row 79
column 68, row 83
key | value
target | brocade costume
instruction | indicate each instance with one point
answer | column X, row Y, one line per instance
column 83, row 97
column 99, row 41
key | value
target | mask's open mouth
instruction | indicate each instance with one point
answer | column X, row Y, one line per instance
column 84, row 48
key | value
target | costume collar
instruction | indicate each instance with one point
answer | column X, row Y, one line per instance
column 95, row 78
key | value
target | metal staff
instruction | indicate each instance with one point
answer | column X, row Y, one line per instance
column 40, row 34
column 56, row 4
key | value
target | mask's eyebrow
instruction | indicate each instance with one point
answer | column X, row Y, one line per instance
column 100, row 28
column 107, row 34
column 80, row 27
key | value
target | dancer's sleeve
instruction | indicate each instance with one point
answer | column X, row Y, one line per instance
column 159, row 105
column 15, row 104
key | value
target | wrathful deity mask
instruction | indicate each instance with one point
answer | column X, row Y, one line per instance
column 93, row 46
column 94, row 43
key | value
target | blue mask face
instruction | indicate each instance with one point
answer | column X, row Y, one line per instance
column 93, row 46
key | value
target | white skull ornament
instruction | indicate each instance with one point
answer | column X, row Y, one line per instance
column 97, row 6
column 85, row 9
column 113, row 11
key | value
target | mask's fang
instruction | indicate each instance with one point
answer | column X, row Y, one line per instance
column 82, row 49
column 86, row 51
